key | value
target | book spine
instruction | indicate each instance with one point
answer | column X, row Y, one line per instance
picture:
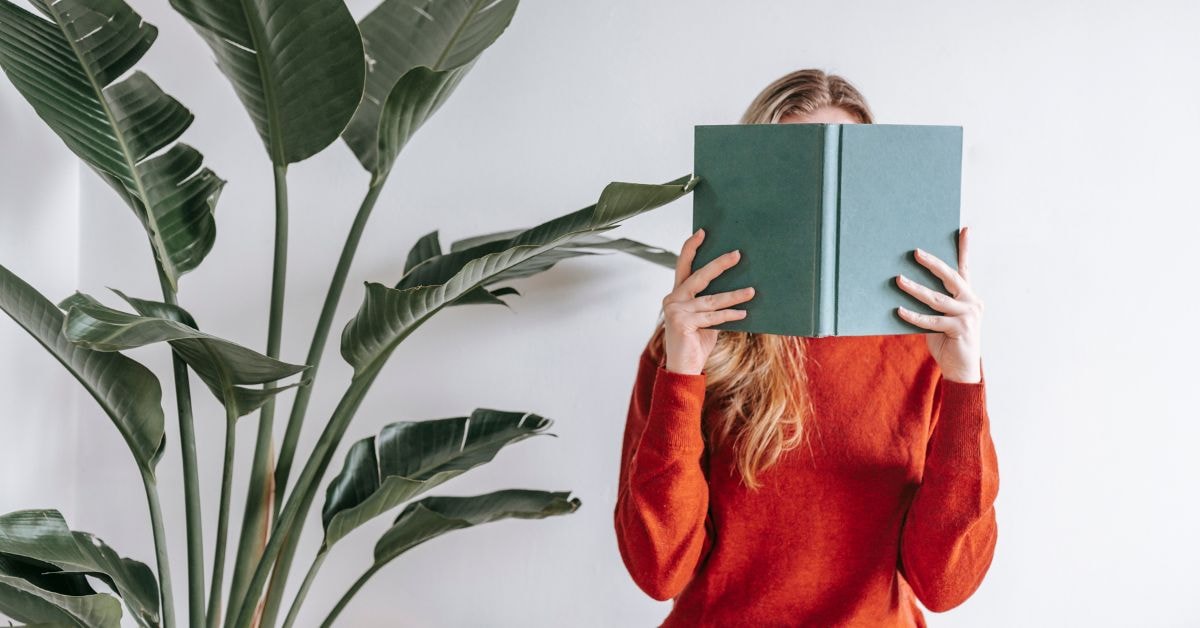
column 827, row 280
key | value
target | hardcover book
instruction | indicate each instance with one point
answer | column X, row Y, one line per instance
column 826, row 215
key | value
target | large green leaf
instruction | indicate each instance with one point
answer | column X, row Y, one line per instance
column 296, row 66
column 44, row 575
column 418, row 51
column 428, row 247
column 25, row 602
column 222, row 365
column 462, row 251
column 647, row 252
column 411, row 457
column 43, row 536
column 127, row 391
column 65, row 68
column 431, row 517
column 388, row 315
column 466, row 243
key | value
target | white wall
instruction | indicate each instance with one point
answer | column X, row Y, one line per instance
column 39, row 240
column 1081, row 127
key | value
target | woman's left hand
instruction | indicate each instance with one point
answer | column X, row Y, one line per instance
column 955, row 345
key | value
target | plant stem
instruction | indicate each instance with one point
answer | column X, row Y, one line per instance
column 275, row 589
column 318, row 560
column 341, row 605
column 285, row 535
column 323, row 453
column 291, row 520
column 255, row 522
column 191, row 476
column 165, row 596
column 300, row 406
column 273, row 599
column 218, row 576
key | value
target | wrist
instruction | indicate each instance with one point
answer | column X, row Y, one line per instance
column 682, row 369
column 973, row 377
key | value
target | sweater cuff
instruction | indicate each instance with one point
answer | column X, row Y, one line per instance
column 676, row 405
column 962, row 421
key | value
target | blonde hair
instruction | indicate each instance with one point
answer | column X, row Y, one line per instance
column 756, row 385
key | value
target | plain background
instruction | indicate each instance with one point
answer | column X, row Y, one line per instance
column 1081, row 125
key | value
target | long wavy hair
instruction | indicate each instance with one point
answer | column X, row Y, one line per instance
column 756, row 386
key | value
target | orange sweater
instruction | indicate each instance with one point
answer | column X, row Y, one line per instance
column 893, row 500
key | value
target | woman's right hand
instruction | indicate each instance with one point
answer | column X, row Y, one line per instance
column 686, row 317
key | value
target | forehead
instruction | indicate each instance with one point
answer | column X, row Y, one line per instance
column 834, row 115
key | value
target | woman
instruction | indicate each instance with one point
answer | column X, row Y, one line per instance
column 774, row 480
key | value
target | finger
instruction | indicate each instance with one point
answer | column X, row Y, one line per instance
column 943, row 324
column 720, row 300
column 683, row 265
column 937, row 300
column 699, row 280
column 707, row 319
column 962, row 255
column 955, row 284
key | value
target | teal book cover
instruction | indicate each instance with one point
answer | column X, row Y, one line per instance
column 826, row 215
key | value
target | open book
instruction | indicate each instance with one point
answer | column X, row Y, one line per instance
column 826, row 216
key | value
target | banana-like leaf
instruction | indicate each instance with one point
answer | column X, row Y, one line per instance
column 417, row 53
column 389, row 315
column 647, row 252
column 466, row 243
column 431, row 517
column 463, row 251
column 24, row 602
column 296, row 66
column 44, row 575
column 65, row 66
column 427, row 246
column 411, row 457
column 127, row 391
column 222, row 365
column 43, row 536
column 482, row 295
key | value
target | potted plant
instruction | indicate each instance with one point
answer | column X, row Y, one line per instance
column 307, row 74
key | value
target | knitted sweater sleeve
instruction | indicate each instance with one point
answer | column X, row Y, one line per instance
column 661, row 515
column 949, row 532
